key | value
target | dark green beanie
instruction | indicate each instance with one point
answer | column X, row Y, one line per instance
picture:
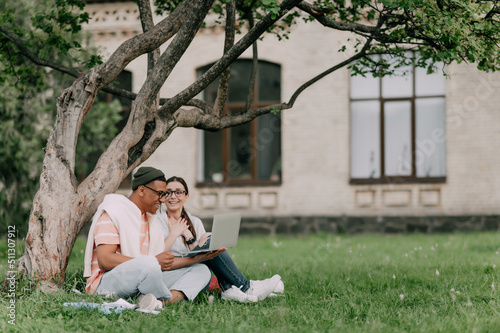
column 146, row 175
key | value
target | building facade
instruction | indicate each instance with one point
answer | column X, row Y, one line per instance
column 394, row 154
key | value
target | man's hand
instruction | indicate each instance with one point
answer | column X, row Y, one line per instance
column 209, row 255
column 180, row 262
column 165, row 259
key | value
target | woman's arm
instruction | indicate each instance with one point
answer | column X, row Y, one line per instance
column 200, row 232
column 187, row 236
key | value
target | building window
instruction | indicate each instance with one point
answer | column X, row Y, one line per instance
column 249, row 153
column 398, row 127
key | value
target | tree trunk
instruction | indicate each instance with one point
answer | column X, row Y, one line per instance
column 61, row 206
column 59, row 211
column 55, row 220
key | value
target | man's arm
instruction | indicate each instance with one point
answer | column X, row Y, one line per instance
column 180, row 262
column 107, row 258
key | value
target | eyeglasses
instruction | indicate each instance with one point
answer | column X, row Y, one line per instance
column 161, row 194
column 178, row 193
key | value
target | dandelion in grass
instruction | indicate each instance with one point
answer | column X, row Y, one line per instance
column 432, row 248
column 437, row 272
column 275, row 244
column 393, row 277
column 452, row 294
column 469, row 303
column 401, row 296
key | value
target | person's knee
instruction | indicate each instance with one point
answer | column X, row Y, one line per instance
column 148, row 265
column 203, row 271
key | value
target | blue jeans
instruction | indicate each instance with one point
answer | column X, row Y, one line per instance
column 225, row 270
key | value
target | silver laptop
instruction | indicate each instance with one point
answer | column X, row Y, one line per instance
column 225, row 230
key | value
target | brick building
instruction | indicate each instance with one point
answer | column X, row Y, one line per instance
column 341, row 159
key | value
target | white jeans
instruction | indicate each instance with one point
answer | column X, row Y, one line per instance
column 143, row 275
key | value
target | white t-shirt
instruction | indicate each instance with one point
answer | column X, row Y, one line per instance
column 179, row 248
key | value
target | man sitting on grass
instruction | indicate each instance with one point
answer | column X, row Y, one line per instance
column 125, row 249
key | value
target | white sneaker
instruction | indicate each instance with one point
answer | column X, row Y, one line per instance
column 235, row 294
column 278, row 291
column 280, row 288
column 262, row 288
column 149, row 302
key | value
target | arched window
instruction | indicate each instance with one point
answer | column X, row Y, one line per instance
column 249, row 153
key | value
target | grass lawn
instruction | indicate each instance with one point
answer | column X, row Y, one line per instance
column 338, row 283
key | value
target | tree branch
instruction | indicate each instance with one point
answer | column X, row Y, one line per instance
column 115, row 159
column 255, row 65
column 329, row 71
column 33, row 57
column 146, row 42
column 125, row 53
column 146, row 15
column 169, row 59
column 327, row 22
column 209, row 76
column 223, row 88
column 193, row 118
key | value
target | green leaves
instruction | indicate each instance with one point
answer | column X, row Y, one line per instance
column 272, row 7
column 59, row 26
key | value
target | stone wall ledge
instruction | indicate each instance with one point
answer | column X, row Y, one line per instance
column 365, row 224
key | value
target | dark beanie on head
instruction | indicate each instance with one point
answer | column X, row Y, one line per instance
column 146, row 175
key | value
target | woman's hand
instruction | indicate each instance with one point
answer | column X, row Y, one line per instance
column 177, row 228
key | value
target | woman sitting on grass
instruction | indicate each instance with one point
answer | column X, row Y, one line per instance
column 184, row 232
